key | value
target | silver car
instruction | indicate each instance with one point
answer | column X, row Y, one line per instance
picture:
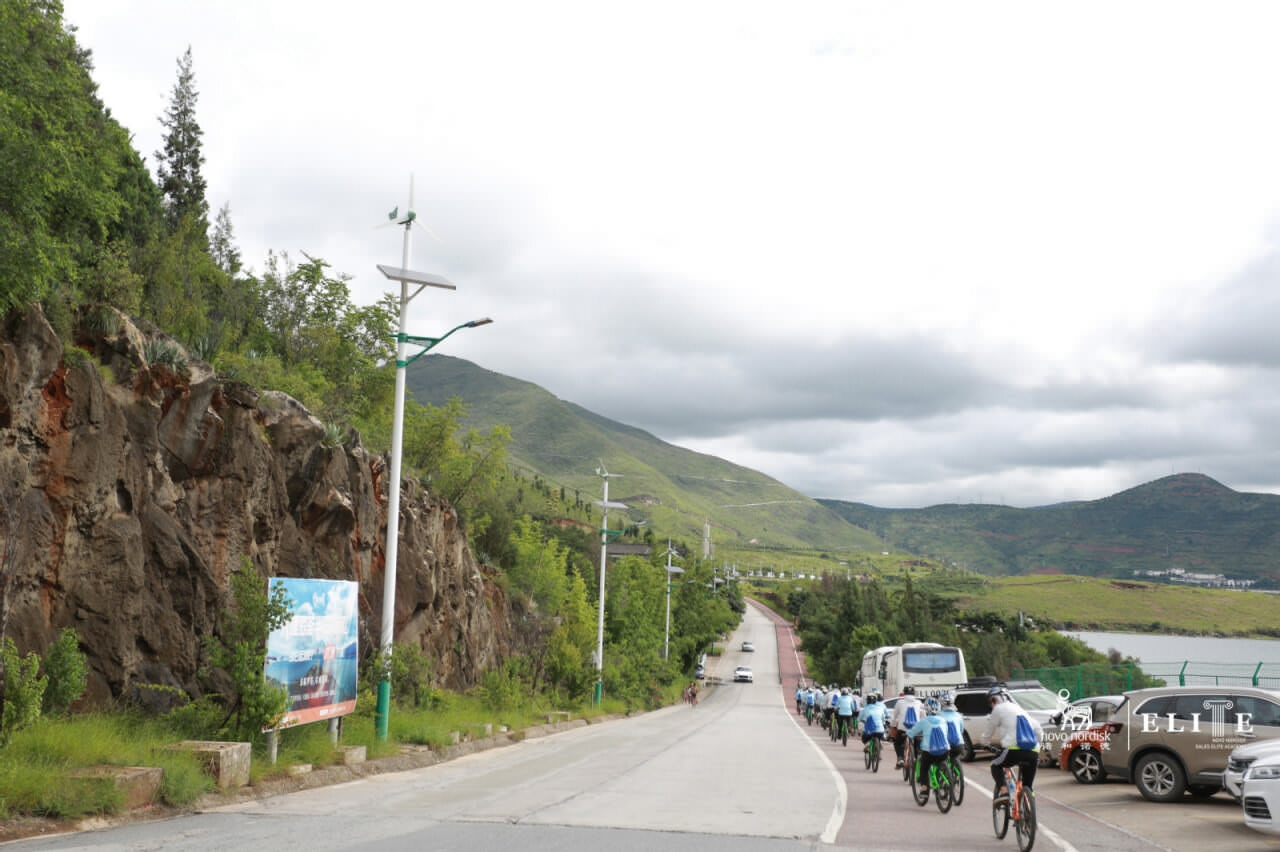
column 1241, row 758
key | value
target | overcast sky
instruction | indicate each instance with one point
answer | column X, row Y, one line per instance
column 901, row 253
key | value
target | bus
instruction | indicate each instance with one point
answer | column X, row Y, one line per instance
column 927, row 666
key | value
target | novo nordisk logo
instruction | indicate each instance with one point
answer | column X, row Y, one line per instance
column 1196, row 723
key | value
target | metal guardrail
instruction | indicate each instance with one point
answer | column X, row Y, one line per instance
column 1108, row 679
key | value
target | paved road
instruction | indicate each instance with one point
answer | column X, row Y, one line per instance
column 738, row 773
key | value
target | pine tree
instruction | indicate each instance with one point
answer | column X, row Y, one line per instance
column 222, row 244
column 179, row 163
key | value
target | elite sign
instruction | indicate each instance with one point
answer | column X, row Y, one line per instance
column 314, row 655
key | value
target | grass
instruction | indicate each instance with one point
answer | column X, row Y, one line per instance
column 38, row 764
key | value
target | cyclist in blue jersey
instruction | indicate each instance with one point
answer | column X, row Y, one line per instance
column 930, row 734
column 955, row 725
column 871, row 718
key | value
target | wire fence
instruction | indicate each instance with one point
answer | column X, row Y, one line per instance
column 1107, row 679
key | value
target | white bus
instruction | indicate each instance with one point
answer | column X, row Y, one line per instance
column 927, row 666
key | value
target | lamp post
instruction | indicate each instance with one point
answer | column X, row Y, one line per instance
column 423, row 280
column 605, row 506
column 671, row 569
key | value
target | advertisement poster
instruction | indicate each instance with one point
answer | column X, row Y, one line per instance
column 313, row 655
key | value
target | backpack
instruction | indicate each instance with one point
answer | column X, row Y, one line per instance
column 1026, row 734
column 909, row 718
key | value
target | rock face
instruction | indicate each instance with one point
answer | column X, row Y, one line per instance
column 130, row 489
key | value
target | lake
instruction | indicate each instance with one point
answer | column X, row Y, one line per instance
column 1156, row 648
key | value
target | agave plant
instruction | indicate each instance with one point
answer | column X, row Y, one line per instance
column 334, row 436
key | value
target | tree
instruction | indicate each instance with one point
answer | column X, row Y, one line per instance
column 178, row 165
column 61, row 161
column 222, row 244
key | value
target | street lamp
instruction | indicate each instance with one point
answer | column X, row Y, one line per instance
column 671, row 569
column 423, row 280
column 605, row 506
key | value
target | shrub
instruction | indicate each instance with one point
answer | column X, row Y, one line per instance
column 67, row 670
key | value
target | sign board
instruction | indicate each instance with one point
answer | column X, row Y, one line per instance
column 314, row 655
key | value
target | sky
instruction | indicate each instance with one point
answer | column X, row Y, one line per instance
column 895, row 253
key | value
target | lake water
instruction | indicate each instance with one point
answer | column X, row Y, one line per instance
column 1154, row 648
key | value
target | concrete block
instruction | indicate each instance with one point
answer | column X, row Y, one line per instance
column 352, row 754
column 228, row 763
column 139, row 785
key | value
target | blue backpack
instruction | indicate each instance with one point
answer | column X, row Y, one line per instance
column 909, row 718
column 1026, row 734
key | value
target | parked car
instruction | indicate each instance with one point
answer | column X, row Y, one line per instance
column 972, row 703
column 1260, row 795
column 742, row 674
column 1076, row 716
column 700, row 672
column 1171, row 740
column 747, row 646
column 1081, row 753
column 1239, row 761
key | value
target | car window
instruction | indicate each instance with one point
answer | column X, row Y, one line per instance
column 1036, row 699
column 1260, row 710
column 1204, row 704
column 1102, row 710
column 1161, row 705
column 974, row 704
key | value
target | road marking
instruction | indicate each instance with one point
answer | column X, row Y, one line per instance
column 1040, row 827
column 842, row 792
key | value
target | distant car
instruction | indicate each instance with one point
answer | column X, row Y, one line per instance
column 700, row 672
column 1241, row 758
column 747, row 646
column 1260, row 795
column 742, row 674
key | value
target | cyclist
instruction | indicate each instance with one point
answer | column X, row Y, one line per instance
column 906, row 713
column 846, row 706
column 955, row 724
column 800, row 697
column 829, row 705
column 932, row 744
column 1018, row 736
column 871, row 719
column 810, row 698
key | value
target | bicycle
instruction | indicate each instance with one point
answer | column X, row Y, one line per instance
column 871, row 754
column 957, row 778
column 808, row 713
column 939, row 785
column 1019, row 806
column 841, row 729
column 909, row 760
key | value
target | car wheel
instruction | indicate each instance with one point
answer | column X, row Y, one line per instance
column 968, row 748
column 1160, row 778
column 1085, row 764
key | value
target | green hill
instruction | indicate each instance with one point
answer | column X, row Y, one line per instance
column 674, row 489
column 1183, row 523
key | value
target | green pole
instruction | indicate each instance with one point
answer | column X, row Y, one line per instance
column 380, row 715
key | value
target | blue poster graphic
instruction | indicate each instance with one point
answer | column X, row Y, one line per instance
column 314, row 655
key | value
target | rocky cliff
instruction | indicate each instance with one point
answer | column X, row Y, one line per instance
column 129, row 490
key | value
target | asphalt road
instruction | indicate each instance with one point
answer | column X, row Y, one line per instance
column 739, row 772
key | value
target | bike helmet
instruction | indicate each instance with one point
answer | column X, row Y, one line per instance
column 931, row 704
column 997, row 694
column 948, row 701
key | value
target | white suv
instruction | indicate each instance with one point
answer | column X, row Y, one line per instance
column 1040, row 703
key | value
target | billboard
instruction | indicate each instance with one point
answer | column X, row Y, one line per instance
column 313, row 656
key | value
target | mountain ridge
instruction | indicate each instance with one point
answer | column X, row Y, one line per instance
column 1184, row 522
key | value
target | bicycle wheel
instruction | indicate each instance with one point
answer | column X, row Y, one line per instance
column 844, row 733
column 957, row 780
column 908, row 764
column 1000, row 818
column 875, row 754
column 943, row 796
column 866, row 754
column 1026, row 824
column 921, row 796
